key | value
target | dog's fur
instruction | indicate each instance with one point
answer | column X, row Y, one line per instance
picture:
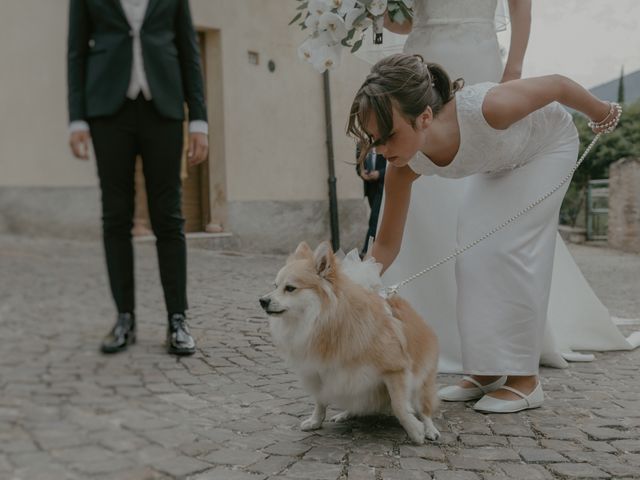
column 351, row 347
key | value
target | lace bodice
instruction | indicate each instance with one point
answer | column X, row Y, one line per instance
column 483, row 149
column 460, row 35
column 429, row 12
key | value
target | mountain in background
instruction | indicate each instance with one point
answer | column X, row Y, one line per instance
column 609, row 90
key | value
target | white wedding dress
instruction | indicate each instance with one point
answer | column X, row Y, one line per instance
column 460, row 35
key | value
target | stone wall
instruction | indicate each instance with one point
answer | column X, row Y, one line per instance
column 254, row 226
column 624, row 205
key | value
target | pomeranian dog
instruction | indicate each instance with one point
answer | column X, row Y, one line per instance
column 352, row 348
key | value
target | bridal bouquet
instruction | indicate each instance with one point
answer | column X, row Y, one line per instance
column 338, row 24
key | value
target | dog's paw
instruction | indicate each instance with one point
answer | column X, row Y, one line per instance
column 430, row 430
column 415, row 430
column 310, row 424
column 341, row 417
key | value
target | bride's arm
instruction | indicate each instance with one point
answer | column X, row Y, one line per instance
column 520, row 19
column 401, row 28
column 397, row 187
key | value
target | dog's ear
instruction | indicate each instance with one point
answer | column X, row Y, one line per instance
column 325, row 261
column 303, row 251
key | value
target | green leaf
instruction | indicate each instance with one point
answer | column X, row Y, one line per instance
column 407, row 12
column 296, row 18
column 348, row 38
column 302, row 6
column 359, row 18
column 397, row 17
column 350, row 34
column 356, row 46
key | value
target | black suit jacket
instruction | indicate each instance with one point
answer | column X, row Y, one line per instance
column 100, row 56
column 374, row 188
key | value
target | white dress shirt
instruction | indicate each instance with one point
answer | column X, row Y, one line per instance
column 135, row 11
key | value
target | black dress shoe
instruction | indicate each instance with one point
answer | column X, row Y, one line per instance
column 179, row 339
column 122, row 334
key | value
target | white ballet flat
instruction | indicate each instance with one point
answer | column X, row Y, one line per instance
column 497, row 405
column 454, row 393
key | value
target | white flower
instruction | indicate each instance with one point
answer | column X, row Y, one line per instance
column 333, row 24
column 363, row 24
column 377, row 7
column 352, row 15
column 318, row 7
column 327, row 58
column 330, row 22
column 322, row 39
column 305, row 50
column 343, row 6
column 312, row 22
column 309, row 49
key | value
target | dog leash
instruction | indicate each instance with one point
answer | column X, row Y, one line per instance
column 393, row 289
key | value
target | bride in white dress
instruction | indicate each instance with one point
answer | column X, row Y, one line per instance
column 461, row 36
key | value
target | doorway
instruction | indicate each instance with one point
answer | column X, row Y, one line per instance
column 195, row 181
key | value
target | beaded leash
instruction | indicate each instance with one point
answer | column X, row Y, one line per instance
column 605, row 126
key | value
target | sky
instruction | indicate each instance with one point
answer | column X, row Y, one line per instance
column 586, row 40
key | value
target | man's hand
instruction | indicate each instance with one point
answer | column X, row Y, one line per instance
column 198, row 148
column 79, row 143
column 370, row 176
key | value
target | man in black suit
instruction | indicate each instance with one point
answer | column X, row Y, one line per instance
column 372, row 173
column 132, row 65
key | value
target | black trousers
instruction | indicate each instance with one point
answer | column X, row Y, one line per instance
column 137, row 128
column 375, row 201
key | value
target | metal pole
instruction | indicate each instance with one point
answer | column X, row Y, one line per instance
column 333, row 196
column 588, row 211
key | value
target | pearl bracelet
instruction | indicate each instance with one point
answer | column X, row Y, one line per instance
column 606, row 125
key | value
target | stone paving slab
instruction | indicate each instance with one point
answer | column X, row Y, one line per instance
column 232, row 411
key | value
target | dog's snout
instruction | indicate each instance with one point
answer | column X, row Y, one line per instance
column 264, row 302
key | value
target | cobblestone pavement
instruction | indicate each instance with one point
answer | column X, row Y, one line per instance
column 231, row 412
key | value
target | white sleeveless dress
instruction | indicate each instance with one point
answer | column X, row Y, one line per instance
column 460, row 35
column 504, row 281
